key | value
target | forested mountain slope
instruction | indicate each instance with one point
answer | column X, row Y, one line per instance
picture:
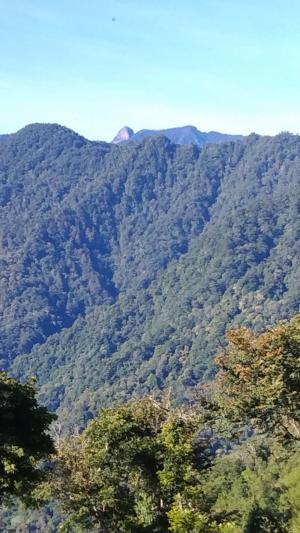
column 121, row 266
column 82, row 221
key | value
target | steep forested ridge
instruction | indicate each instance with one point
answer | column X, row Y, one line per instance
column 122, row 266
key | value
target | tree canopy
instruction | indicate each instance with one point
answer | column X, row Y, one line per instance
column 122, row 266
column 149, row 466
column 259, row 380
column 135, row 468
column 24, row 438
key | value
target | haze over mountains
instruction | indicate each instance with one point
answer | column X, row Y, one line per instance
column 123, row 264
column 181, row 135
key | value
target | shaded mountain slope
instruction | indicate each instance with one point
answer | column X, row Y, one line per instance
column 197, row 240
column 82, row 221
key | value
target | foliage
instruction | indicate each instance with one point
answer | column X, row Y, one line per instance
column 122, row 266
column 290, row 486
column 24, row 438
column 259, row 380
column 149, row 466
column 132, row 469
column 189, row 520
column 121, row 269
column 19, row 518
column 257, row 389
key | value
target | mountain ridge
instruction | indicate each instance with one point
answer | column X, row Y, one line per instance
column 180, row 135
column 123, row 265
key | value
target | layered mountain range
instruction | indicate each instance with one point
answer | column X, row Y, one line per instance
column 122, row 265
column 181, row 135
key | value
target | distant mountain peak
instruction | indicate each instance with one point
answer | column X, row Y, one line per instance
column 181, row 135
column 124, row 134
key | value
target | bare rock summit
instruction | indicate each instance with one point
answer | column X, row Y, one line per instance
column 123, row 135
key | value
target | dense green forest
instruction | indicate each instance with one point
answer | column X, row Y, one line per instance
column 123, row 266
column 227, row 463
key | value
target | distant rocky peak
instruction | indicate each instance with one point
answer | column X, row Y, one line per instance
column 124, row 134
column 181, row 135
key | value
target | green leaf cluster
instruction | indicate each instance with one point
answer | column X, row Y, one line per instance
column 24, row 438
column 229, row 463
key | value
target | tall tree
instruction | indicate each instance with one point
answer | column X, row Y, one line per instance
column 24, row 438
column 136, row 468
column 259, row 379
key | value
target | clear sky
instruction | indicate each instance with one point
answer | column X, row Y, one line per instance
column 94, row 65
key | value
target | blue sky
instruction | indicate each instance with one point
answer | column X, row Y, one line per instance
column 94, row 66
